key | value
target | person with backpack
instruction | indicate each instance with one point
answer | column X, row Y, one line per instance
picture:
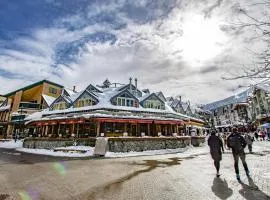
column 249, row 142
column 237, row 143
column 216, row 145
column 256, row 135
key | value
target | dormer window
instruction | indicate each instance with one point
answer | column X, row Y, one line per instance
column 153, row 104
column 59, row 106
column 153, row 101
column 85, row 102
column 125, row 101
column 125, row 98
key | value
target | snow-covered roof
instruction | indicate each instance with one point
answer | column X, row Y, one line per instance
column 104, row 103
column 3, row 108
column 49, row 100
column 263, row 86
column 185, row 106
column 69, row 91
column 238, row 98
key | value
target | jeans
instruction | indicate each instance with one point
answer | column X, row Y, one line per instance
column 236, row 161
column 250, row 147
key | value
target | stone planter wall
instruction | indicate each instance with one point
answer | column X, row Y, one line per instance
column 51, row 143
column 197, row 141
column 118, row 144
column 146, row 143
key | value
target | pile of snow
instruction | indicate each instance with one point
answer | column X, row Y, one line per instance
column 11, row 144
column 183, row 152
column 89, row 151
column 143, row 153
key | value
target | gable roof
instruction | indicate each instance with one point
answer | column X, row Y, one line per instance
column 95, row 88
column 48, row 99
column 185, row 106
column 124, row 91
column 169, row 99
column 33, row 85
column 150, row 95
column 69, row 92
column 4, row 103
column 127, row 86
column 161, row 95
column 64, row 97
column 82, row 93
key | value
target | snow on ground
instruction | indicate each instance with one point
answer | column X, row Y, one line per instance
column 11, row 144
column 185, row 152
column 181, row 152
column 89, row 151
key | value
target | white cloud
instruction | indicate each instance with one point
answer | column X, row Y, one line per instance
column 181, row 54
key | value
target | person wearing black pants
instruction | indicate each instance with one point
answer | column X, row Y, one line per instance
column 216, row 145
column 237, row 143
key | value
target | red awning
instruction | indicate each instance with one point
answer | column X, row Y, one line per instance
column 117, row 120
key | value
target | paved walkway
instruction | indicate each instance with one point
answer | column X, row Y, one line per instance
column 27, row 176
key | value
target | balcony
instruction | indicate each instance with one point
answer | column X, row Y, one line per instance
column 29, row 105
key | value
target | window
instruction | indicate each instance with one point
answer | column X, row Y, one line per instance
column 59, row 106
column 153, row 104
column 125, row 101
column 52, row 90
column 85, row 102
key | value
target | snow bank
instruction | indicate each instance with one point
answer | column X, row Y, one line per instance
column 89, row 151
column 183, row 152
column 11, row 144
column 143, row 153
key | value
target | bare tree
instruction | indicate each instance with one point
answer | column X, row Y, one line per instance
column 261, row 26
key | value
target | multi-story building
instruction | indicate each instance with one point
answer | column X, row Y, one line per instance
column 230, row 111
column 25, row 101
column 251, row 107
column 192, row 111
column 109, row 110
column 260, row 103
column 4, row 118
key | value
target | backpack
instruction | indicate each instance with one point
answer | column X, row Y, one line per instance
column 235, row 143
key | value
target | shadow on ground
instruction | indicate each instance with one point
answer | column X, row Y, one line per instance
column 221, row 189
column 104, row 191
column 252, row 192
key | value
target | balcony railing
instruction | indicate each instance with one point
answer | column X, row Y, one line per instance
column 29, row 105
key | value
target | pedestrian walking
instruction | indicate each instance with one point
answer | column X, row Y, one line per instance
column 256, row 135
column 268, row 134
column 249, row 142
column 263, row 135
column 216, row 149
column 237, row 143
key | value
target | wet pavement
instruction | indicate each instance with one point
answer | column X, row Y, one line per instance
column 172, row 177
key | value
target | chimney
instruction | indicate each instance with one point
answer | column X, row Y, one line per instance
column 74, row 88
column 180, row 98
column 130, row 82
column 136, row 80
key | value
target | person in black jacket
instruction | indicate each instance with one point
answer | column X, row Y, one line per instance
column 237, row 143
column 216, row 145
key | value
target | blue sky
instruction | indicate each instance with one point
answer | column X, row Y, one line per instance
column 177, row 46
